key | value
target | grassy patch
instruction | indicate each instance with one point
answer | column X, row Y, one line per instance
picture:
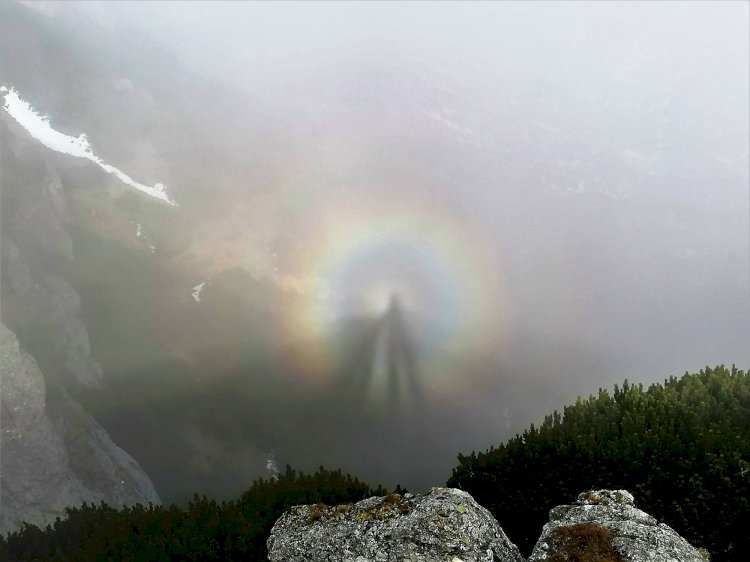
column 582, row 543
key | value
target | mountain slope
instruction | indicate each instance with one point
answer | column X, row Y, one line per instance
column 54, row 455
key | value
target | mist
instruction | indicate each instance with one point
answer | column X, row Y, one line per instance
column 416, row 227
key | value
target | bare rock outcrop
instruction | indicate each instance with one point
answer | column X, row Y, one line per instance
column 49, row 461
column 52, row 453
column 44, row 311
column 447, row 525
column 39, row 304
column 444, row 525
column 606, row 525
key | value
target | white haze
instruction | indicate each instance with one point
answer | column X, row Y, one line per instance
column 601, row 147
column 583, row 167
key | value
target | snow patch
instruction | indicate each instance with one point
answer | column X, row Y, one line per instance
column 38, row 127
column 197, row 290
column 273, row 470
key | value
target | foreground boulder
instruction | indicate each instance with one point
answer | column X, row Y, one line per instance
column 444, row 525
column 605, row 525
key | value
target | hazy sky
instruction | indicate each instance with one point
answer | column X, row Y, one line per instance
column 557, row 191
column 246, row 42
column 504, row 166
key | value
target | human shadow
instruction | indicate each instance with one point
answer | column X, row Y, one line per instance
column 387, row 337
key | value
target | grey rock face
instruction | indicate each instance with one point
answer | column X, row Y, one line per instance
column 635, row 535
column 53, row 454
column 39, row 216
column 38, row 304
column 45, row 306
column 33, row 190
column 34, row 485
column 49, row 462
column 444, row 525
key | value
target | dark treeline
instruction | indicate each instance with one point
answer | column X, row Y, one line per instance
column 682, row 448
column 204, row 530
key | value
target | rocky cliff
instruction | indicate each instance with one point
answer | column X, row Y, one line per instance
column 448, row 525
column 53, row 454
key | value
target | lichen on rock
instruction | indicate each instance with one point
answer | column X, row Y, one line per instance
column 443, row 525
column 605, row 525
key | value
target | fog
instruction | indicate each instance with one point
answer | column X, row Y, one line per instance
column 412, row 228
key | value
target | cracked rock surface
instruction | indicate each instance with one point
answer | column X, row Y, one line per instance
column 443, row 525
column 636, row 536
